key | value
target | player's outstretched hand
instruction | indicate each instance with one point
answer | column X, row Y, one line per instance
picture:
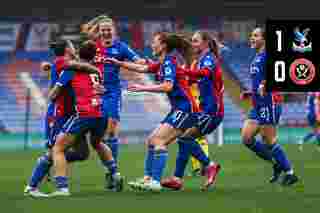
column 135, row 88
column 112, row 61
column 98, row 59
column 45, row 66
column 99, row 89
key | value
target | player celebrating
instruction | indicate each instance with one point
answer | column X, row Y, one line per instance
column 89, row 118
column 179, row 119
column 265, row 115
column 102, row 29
column 109, row 46
column 60, row 109
column 208, row 74
column 313, row 115
column 203, row 142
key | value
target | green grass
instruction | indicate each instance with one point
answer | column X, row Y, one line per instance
column 16, row 141
column 242, row 185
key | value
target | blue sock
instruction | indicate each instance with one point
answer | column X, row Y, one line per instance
column 280, row 156
column 72, row 156
column 159, row 163
column 182, row 157
column 198, row 152
column 113, row 143
column 61, row 182
column 40, row 170
column 259, row 148
column 308, row 137
column 148, row 161
column 111, row 165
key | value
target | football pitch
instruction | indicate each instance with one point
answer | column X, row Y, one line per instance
column 241, row 187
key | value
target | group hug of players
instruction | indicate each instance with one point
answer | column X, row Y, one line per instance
column 85, row 102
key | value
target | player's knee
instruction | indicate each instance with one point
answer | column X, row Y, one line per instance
column 160, row 147
column 249, row 129
column 58, row 146
column 159, row 143
column 62, row 142
column 247, row 139
column 113, row 126
column 148, row 141
column 57, row 149
column 244, row 133
column 246, row 136
column 103, row 151
column 100, row 147
column 270, row 139
column 96, row 146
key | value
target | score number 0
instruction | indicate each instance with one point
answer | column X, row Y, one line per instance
column 279, row 66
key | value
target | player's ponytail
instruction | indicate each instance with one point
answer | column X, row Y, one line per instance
column 212, row 43
column 179, row 43
column 187, row 51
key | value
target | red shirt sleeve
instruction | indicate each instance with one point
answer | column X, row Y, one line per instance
column 195, row 73
column 153, row 67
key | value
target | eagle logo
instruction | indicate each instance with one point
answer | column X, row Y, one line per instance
column 302, row 40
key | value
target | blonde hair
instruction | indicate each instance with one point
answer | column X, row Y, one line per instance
column 106, row 20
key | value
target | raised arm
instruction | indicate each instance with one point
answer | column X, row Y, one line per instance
column 82, row 66
column 54, row 92
column 90, row 29
column 163, row 87
column 198, row 73
column 64, row 78
column 207, row 66
column 166, row 86
column 140, row 68
column 93, row 33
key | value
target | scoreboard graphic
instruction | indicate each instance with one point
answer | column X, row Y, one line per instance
column 293, row 51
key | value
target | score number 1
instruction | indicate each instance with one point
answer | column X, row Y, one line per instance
column 279, row 40
column 279, row 66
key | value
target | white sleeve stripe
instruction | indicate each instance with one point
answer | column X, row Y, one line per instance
column 61, row 73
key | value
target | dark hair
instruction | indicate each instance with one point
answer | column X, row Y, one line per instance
column 212, row 43
column 177, row 42
column 59, row 47
column 87, row 50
